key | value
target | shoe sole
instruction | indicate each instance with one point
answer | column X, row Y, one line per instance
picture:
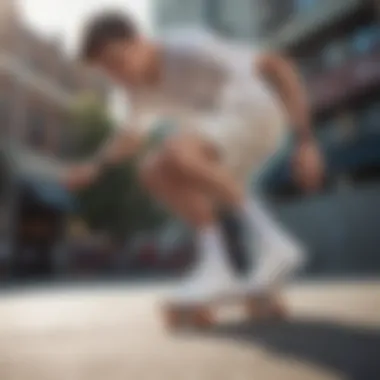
column 204, row 315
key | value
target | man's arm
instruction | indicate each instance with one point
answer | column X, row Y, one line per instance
column 283, row 76
column 307, row 161
column 121, row 146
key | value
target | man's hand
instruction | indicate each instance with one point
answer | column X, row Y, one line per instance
column 308, row 166
column 80, row 176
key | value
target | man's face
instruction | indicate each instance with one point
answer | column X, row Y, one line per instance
column 125, row 61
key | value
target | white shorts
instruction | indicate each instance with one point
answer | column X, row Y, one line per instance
column 245, row 145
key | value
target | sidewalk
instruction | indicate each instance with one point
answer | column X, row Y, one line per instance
column 115, row 333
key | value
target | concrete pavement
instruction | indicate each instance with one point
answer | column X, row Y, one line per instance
column 116, row 333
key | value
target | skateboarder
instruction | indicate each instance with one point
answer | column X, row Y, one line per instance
column 205, row 115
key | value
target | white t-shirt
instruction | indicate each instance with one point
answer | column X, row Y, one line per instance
column 205, row 77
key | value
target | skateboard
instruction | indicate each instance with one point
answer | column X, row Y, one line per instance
column 204, row 315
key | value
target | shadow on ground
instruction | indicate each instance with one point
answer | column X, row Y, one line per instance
column 352, row 351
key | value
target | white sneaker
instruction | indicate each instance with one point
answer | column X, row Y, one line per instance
column 208, row 282
column 278, row 262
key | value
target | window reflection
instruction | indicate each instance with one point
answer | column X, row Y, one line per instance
column 366, row 39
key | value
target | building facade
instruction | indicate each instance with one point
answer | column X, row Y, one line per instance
column 239, row 19
column 38, row 82
column 336, row 46
column 334, row 43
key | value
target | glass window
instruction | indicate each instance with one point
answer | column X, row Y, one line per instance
column 329, row 131
column 36, row 129
column 369, row 118
column 365, row 39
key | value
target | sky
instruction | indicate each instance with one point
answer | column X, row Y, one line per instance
column 64, row 17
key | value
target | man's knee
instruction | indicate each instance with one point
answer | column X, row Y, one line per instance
column 179, row 153
column 175, row 155
column 150, row 171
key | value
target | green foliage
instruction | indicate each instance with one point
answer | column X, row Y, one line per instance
column 92, row 125
column 116, row 203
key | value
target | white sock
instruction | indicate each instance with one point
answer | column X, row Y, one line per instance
column 265, row 227
column 211, row 246
column 273, row 245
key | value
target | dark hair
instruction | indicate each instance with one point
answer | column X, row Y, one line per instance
column 103, row 29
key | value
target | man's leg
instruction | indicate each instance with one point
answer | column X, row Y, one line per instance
column 211, row 277
column 279, row 254
column 197, row 161
column 191, row 160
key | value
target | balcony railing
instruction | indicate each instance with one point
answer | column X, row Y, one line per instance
column 26, row 77
column 352, row 79
column 303, row 24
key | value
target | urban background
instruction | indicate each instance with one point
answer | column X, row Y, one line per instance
column 53, row 111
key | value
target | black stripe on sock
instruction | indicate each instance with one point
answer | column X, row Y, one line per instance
column 233, row 231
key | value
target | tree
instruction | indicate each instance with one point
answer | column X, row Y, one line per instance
column 116, row 203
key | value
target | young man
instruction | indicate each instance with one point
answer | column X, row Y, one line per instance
column 204, row 118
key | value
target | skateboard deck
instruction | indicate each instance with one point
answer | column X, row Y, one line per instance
column 205, row 315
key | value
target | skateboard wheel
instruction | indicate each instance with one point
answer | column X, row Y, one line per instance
column 267, row 308
column 202, row 318
column 277, row 310
column 172, row 317
column 255, row 308
column 178, row 316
